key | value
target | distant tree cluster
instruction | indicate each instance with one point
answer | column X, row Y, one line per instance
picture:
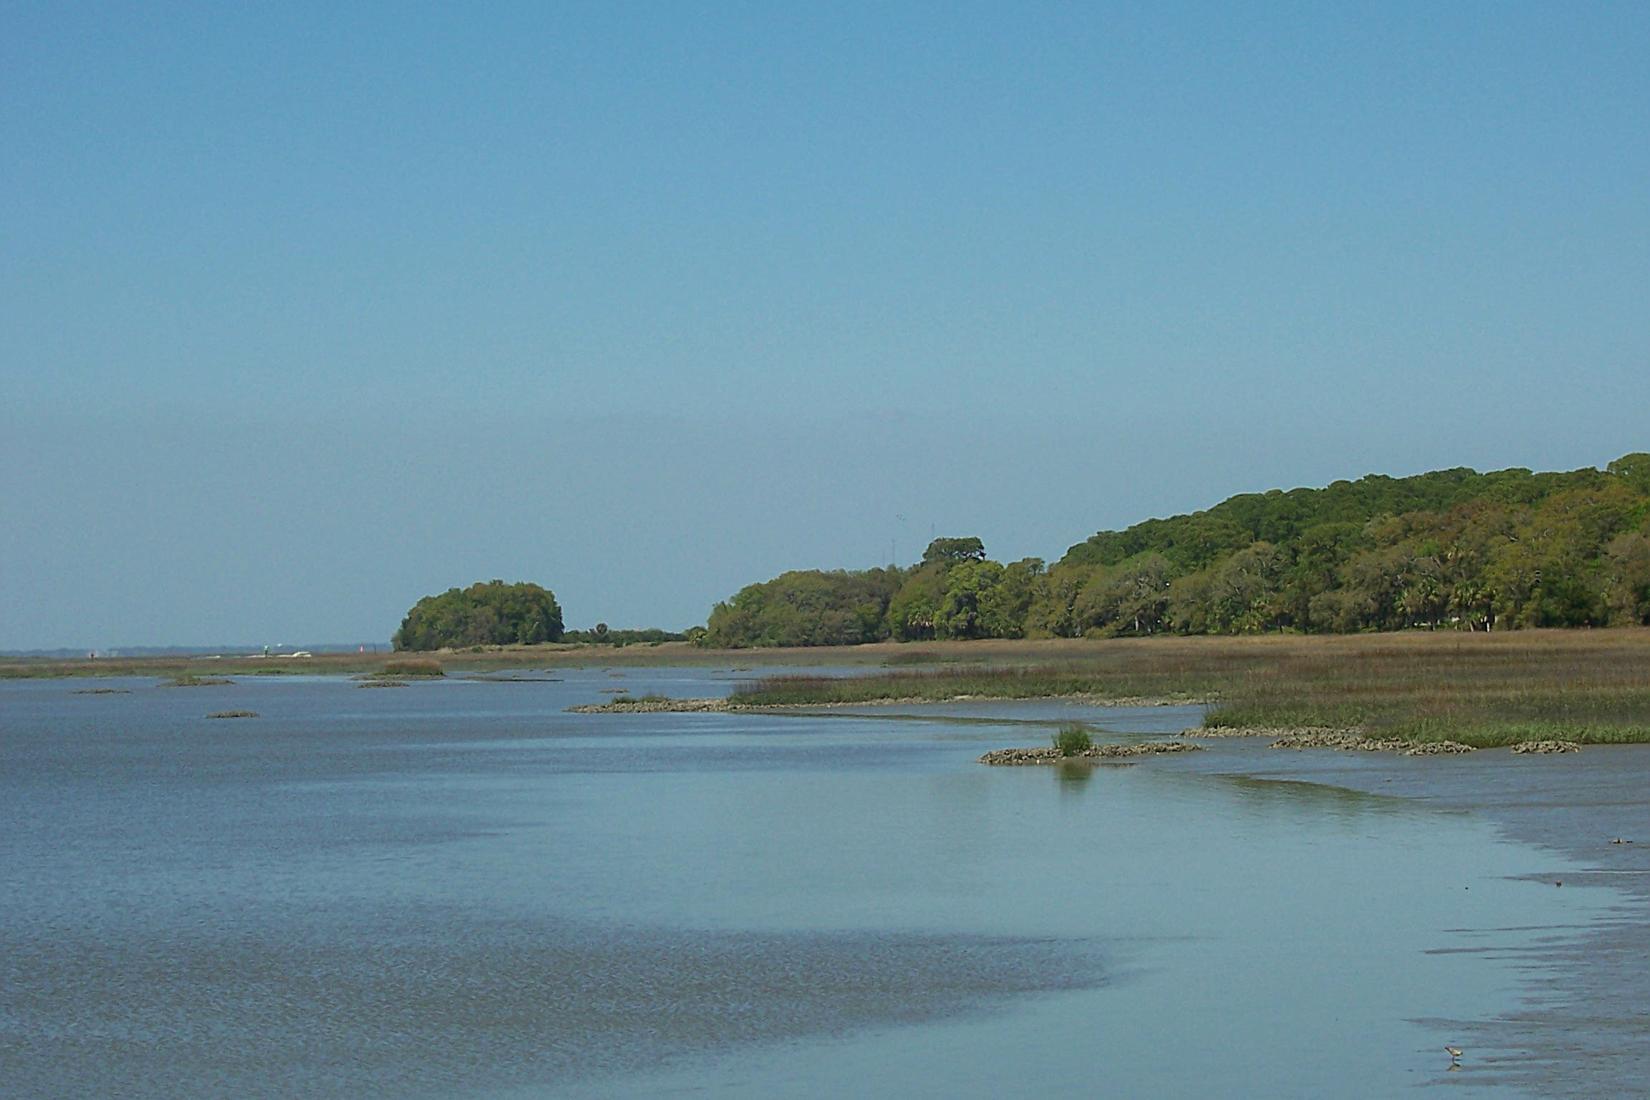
column 953, row 593
column 1449, row 549
column 806, row 608
column 490, row 613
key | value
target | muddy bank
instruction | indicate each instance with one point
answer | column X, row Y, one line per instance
column 1354, row 740
column 700, row 706
column 654, row 706
column 1052, row 755
column 1254, row 731
column 1347, row 740
column 1357, row 742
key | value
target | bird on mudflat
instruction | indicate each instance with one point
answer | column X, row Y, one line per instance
column 1454, row 1055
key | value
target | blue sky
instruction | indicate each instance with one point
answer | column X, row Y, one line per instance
column 308, row 312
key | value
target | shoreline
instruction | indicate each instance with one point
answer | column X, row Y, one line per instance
column 1584, row 808
column 651, row 705
column 1352, row 739
column 1017, row 652
column 1357, row 740
column 1584, row 1023
column 1113, row 751
column 1402, row 689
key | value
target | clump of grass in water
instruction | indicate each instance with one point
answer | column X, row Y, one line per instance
column 414, row 666
column 233, row 714
column 191, row 681
column 1073, row 740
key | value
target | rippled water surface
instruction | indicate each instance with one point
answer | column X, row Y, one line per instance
column 456, row 888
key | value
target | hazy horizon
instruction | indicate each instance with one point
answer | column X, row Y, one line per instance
column 307, row 313
column 907, row 552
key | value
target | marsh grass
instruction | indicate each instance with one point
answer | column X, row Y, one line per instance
column 1591, row 686
column 1587, row 686
column 967, row 682
column 426, row 667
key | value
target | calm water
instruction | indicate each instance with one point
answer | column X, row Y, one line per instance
column 457, row 888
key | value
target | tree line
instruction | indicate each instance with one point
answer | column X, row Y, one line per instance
column 496, row 613
column 1451, row 549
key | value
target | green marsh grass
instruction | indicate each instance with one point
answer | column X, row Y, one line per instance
column 1072, row 739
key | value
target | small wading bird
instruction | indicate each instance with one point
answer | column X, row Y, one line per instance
column 1454, row 1057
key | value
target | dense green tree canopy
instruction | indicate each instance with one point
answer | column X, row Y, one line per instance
column 954, row 593
column 1453, row 548
column 806, row 608
column 490, row 613
column 1449, row 549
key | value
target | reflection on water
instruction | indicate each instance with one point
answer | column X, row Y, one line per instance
column 459, row 887
column 1073, row 774
column 1295, row 796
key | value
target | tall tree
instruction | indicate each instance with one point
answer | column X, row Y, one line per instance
column 951, row 551
column 486, row 613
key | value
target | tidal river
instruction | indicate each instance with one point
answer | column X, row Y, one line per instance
column 456, row 888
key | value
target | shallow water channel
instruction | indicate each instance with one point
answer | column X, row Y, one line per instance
column 457, row 888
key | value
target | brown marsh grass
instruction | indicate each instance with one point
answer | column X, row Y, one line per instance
column 412, row 667
column 1484, row 689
